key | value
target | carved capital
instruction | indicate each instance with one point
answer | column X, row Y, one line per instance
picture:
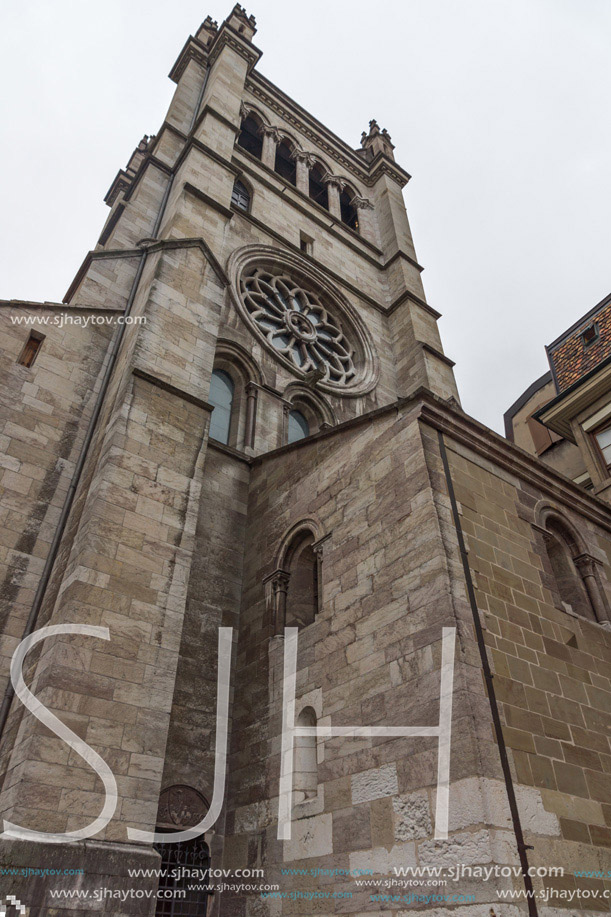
column 361, row 203
column 586, row 564
column 279, row 581
column 268, row 130
column 319, row 546
column 306, row 158
column 335, row 180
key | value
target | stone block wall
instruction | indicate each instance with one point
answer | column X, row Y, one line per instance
column 551, row 670
column 44, row 411
column 372, row 657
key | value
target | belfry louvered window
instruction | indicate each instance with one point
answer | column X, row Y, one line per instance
column 240, row 196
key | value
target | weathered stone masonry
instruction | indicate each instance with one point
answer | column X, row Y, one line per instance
column 173, row 534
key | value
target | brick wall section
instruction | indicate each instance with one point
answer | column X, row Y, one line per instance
column 552, row 671
column 571, row 359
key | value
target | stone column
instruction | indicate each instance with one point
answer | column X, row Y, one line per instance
column 271, row 139
column 586, row 565
column 251, row 415
column 318, row 547
column 304, row 162
column 334, row 186
column 280, row 585
column 286, row 409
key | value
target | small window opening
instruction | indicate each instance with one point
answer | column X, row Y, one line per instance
column 603, row 441
column 299, row 428
column 305, row 771
column 317, row 187
column 240, row 196
column 285, row 164
column 590, row 334
column 349, row 212
column 249, row 138
column 306, row 243
column 572, row 641
column 570, row 592
column 31, row 349
column 302, row 592
column 221, row 398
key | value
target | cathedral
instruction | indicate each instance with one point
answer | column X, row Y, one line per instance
column 277, row 614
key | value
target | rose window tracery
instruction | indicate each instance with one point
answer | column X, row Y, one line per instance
column 298, row 325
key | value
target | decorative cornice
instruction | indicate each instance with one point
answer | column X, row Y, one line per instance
column 193, row 49
column 227, row 37
column 121, row 182
column 384, row 165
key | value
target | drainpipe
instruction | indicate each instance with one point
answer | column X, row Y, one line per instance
column 91, row 429
column 488, row 678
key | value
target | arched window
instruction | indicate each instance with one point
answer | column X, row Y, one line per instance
column 348, row 210
column 285, row 164
column 318, row 188
column 240, row 196
column 305, row 766
column 302, row 591
column 221, row 398
column 298, row 427
column 249, row 137
column 567, row 586
column 193, row 898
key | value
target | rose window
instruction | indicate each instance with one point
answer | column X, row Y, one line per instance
column 298, row 325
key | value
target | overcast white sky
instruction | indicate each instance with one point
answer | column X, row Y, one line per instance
column 498, row 108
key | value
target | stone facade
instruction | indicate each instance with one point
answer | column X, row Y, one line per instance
column 120, row 511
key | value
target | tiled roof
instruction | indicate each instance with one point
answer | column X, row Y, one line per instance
column 570, row 358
